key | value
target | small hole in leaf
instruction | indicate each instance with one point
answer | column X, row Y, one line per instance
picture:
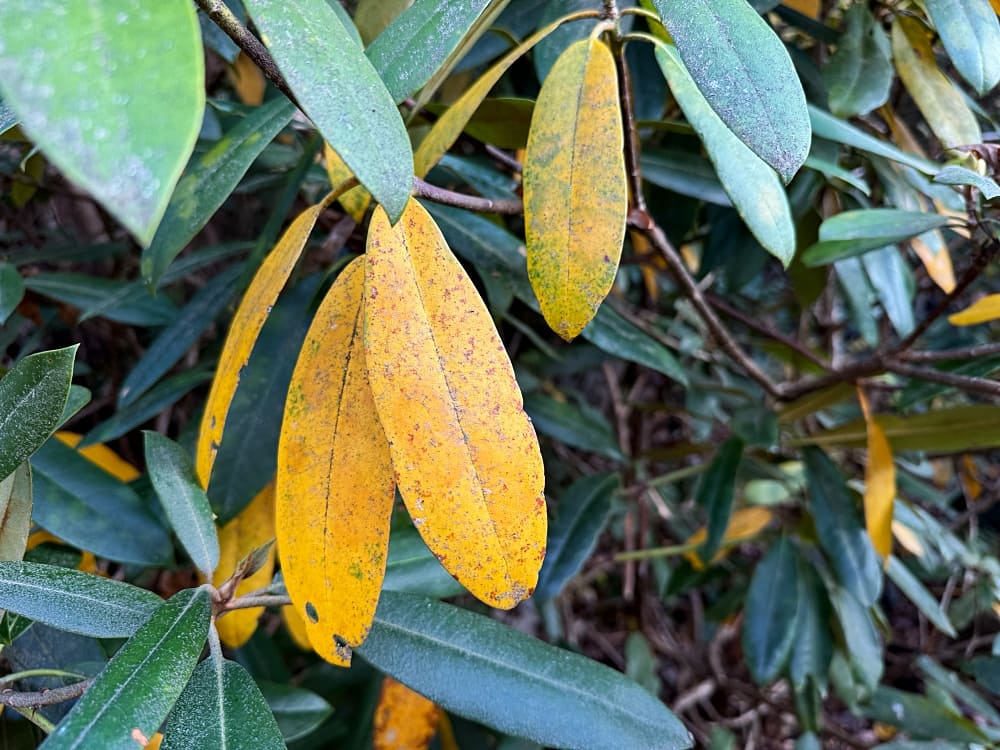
column 311, row 613
column 340, row 641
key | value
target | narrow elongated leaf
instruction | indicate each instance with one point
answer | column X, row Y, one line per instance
column 851, row 233
column 583, row 511
column 342, row 93
column 936, row 97
column 403, row 718
column 880, row 483
column 33, row 394
column 466, row 458
column 684, row 173
column 917, row 593
column 746, row 523
column 298, row 711
column 715, row 494
column 827, row 126
column 955, row 175
column 861, row 638
column 73, row 601
column 335, row 484
column 15, row 512
column 249, row 531
column 573, row 424
column 922, row 717
column 839, row 529
column 354, row 201
column 477, row 668
column 892, row 281
column 983, row 310
column 971, row 35
column 754, row 188
column 771, row 612
column 418, row 41
column 112, row 101
column 184, row 500
column 858, row 75
column 743, row 70
column 221, row 708
column 140, row 684
column 549, row 49
column 117, row 300
column 575, row 191
column 11, row 290
column 812, row 644
column 209, row 181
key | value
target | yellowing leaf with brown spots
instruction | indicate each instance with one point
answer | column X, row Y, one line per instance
column 880, row 483
column 981, row 311
column 744, row 524
column 575, row 190
column 404, row 719
column 355, row 201
column 335, row 487
column 465, row 455
column 251, row 529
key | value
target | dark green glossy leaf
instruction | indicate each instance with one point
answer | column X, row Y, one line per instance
column 15, row 512
column 715, row 494
column 986, row 671
column 583, row 511
column 614, row 335
column 769, row 622
column 12, row 626
column 854, row 232
column 745, row 73
column 343, row 94
column 73, row 601
column 917, row 593
column 135, row 305
column 684, row 173
column 827, row 126
column 78, row 398
column 971, row 35
column 176, row 339
column 11, row 290
column 812, row 644
column 112, row 100
column 478, row 668
column 641, row 663
column 413, row 569
column 184, row 500
column 142, row 681
column 419, row 40
column 221, row 708
column 858, row 75
column 548, row 50
column 209, row 180
column 298, row 711
column 84, row 505
column 840, row 529
column 921, row 717
column 33, row 395
column 892, row 281
column 860, row 639
column 572, row 424
column 955, row 175
column 952, row 684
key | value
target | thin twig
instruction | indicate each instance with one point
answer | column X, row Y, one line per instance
column 965, row 382
column 631, row 133
column 437, row 194
column 49, row 697
column 945, row 355
column 246, row 602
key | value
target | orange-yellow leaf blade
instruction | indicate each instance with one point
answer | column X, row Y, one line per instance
column 880, row 483
column 243, row 332
column 248, row 81
column 465, row 454
column 334, row 487
column 744, row 524
column 575, row 189
column 296, row 626
column 981, row 311
column 355, row 201
column 251, row 529
column 404, row 719
column 101, row 455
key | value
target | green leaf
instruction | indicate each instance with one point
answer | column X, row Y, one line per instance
column 858, row 75
column 78, row 398
column 827, row 126
column 419, row 40
column 950, row 682
column 917, row 593
column 860, row 639
column 641, row 663
column 112, row 92
column 892, row 281
column 73, row 601
column 583, row 511
column 298, row 711
column 812, row 645
column 183, row 332
column 955, row 175
column 715, row 494
column 614, row 335
column 548, row 50
column 986, row 671
column 852, row 233
column 754, row 188
column 921, row 717
column 11, row 290
column 133, row 304
column 15, row 512
column 971, row 35
column 745, row 73
column 482, row 670
column 684, row 173
column 142, row 681
column 501, row 121
column 342, row 93
column 33, row 394
column 413, row 569
column 221, row 707
column 184, row 500
column 572, row 424
column 209, row 180
column 84, row 505
column 8, row 118
column 769, row 623
column 840, row 529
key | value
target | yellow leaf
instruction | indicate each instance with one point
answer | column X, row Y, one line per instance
column 996, row 6
column 983, row 310
column 335, row 485
column 933, row 253
column 936, row 97
column 880, row 483
column 88, row 563
column 968, row 477
column 404, row 719
column 296, row 627
column 101, row 455
column 907, row 539
column 744, row 524
column 809, row 8
column 251, row 529
column 355, row 201
column 575, row 189
column 451, row 124
column 465, row 455
column 248, row 80
column 249, row 319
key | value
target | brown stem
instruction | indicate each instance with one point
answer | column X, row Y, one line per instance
column 44, row 697
column 437, row 194
column 631, row 134
column 945, row 355
column 965, row 382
